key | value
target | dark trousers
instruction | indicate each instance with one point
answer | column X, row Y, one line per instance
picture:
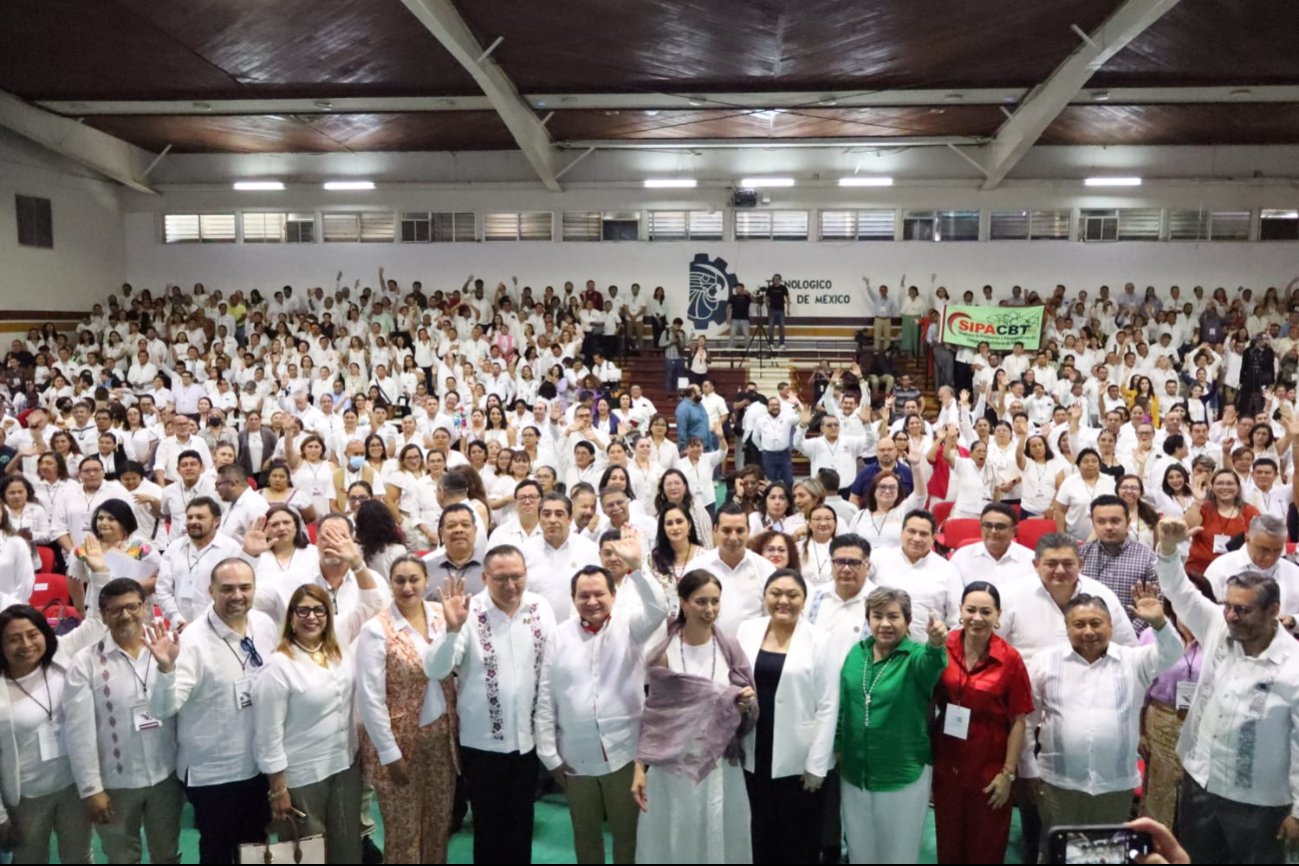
column 785, row 819
column 1213, row 829
column 228, row 816
column 968, row 829
column 676, row 368
column 778, row 466
column 501, row 790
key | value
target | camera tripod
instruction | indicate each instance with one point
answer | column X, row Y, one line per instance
column 757, row 331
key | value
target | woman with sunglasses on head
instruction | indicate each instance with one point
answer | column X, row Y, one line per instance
column 408, row 748
column 306, row 731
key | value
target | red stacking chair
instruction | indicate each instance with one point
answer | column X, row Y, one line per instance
column 46, row 554
column 958, row 530
column 1030, row 531
column 941, row 511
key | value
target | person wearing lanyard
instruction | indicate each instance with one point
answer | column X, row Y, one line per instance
column 36, row 784
column 126, row 772
column 176, row 498
column 698, row 466
column 281, row 551
column 983, row 698
column 882, row 739
column 186, row 564
column 1167, row 701
column 205, row 679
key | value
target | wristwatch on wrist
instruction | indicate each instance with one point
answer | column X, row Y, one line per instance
column 1009, row 775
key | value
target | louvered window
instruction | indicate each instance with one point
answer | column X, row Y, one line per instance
column 778, row 225
column 857, row 225
column 196, row 228
column 527, row 226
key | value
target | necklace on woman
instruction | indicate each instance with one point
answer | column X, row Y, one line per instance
column 317, row 655
column 712, row 640
column 869, row 692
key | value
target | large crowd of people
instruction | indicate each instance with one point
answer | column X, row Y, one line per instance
column 288, row 557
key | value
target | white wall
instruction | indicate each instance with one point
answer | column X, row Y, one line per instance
column 968, row 265
column 89, row 255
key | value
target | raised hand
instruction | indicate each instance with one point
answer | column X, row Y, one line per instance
column 455, row 604
column 255, row 541
column 94, row 552
column 1147, row 604
column 163, row 645
column 629, row 548
column 1172, row 531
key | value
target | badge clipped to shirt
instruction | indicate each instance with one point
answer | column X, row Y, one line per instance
column 142, row 719
column 1185, row 694
column 1220, row 543
column 243, row 693
column 50, row 739
column 957, row 722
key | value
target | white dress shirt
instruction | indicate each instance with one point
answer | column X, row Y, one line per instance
column 214, row 734
column 1031, row 621
column 169, row 451
column 840, row 455
column 119, row 754
column 1090, row 714
column 742, row 586
column 176, row 498
column 352, row 605
column 372, row 678
column 593, row 685
column 551, row 569
column 243, row 513
column 75, row 505
column 699, row 476
column 496, row 714
column 974, row 562
column 842, row 619
column 1241, row 736
column 186, row 574
column 932, row 582
column 1283, row 571
column 512, row 532
column 772, row 434
column 304, row 717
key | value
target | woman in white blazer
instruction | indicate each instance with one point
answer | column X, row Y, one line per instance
column 790, row 751
column 39, row 794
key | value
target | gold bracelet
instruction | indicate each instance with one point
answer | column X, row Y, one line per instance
column 277, row 793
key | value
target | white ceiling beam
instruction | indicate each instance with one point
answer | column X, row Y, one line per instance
column 1269, row 93
column 442, row 19
column 1019, row 133
column 115, row 159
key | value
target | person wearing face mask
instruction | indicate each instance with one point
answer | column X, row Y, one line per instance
column 408, row 749
column 790, row 751
column 700, row 706
column 882, row 739
column 983, row 698
column 592, row 694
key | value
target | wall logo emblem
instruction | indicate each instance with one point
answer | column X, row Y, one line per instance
column 711, row 283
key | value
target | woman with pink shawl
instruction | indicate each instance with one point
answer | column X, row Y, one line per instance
column 689, row 778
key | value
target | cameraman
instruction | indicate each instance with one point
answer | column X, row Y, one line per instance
column 777, row 301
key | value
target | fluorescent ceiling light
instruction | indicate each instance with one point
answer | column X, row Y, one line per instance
column 1112, row 181
column 759, row 182
column 348, row 184
column 671, row 183
column 258, row 185
column 865, row 181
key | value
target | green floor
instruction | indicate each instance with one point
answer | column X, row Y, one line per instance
column 552, row 838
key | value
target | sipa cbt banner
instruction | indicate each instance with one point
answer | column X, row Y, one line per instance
column 1000, row 327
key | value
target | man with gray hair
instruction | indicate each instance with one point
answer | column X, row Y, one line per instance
column 1262, row 553
column 1239, row 801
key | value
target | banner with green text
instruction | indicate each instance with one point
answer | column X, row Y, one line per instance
column 1000, row 327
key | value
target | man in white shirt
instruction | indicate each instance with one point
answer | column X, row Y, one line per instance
column 830, row 450
column 999, row 559
column 170, row 448
column 243, row 505
column 771, row 436
column 558, row 554
column 741, row 571
column 495, row 643
column 1265, row 492
column 839, row 607
column 1263, row 553
column 592, row 694
column 186, row 568
column 457, row 556
column 177, row 497
column 76, row 503
column 930, row 580
column 1088, row 698
column 526, row 523
column 205, row 679
column 123, row 759
column 1239, row 746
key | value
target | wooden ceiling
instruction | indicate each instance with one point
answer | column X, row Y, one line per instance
column 92, row 50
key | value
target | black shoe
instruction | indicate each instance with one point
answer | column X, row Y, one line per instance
column 370, row 853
